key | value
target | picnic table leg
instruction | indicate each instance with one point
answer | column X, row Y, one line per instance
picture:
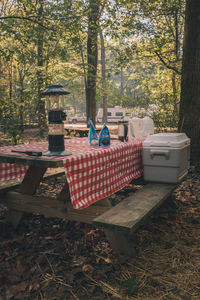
column 65, row 193
column 28, row 186
column 32, row 180
column 76, row 133
column 67, row 132
column 13, row 217
column 120, row 242
column 86, row 134
column 81, row 133
column 104, row 202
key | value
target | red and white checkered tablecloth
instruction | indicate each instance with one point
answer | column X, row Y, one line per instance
column 93, row 173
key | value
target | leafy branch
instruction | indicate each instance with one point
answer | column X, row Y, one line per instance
column 26, row 18
column 165, row 63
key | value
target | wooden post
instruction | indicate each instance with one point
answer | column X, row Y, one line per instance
column 121, row 242
column 28, row 186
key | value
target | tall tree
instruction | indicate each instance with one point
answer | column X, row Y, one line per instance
column 92, row 55
column 103, row 72
column 190, row 82
column 40, row 65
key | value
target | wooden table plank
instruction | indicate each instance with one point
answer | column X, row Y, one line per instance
column 15, row 183
column 31, row 161
column 132, row 211
column 82, row 132
column 50, row 207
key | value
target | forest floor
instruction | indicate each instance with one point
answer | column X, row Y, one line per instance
column 59, row 259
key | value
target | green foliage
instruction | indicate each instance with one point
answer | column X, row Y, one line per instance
column 143, row 41
column 10, row 121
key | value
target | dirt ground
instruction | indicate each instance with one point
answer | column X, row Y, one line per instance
column 59, row 259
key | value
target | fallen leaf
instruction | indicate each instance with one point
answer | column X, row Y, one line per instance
column 18, row 296
column 7, row 252
column 76, row 271
column 182, row 199
column 48, row 237
column 14, row 277
column 30, row 288
column 9, row 294
column 20, row 267
column 19, row 287
column 192, row 210
column 87, row 268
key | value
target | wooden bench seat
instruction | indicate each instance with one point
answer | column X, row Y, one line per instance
column 15, row 183
column 81, row 132
column 9, row 185
column 120, row 221
column 132, row 211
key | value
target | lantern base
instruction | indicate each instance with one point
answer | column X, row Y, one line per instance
column 55, row 153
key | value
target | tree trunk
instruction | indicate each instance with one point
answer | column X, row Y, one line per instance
column 21, row 108
column 174, row 74
column 92, row 54
column 103, row 71
column 121, row 80
column 175, row 98
column 40, row 78
column 190, row 83
column 80, row 46
column 10, row 74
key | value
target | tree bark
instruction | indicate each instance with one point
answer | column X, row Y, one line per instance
column 190, row 82
column 177, row 56
column 40, row 78
column 92, row 55
column 175, row 98
column 103, row 71
column 121, row 80
column 21, row 107
column 10, row 74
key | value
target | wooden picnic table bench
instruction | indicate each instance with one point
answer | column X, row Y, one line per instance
column 122, row 220
column 118, row 222
column 15, row 183
column 80, row 132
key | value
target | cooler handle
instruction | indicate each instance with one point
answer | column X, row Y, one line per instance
column 159, row 153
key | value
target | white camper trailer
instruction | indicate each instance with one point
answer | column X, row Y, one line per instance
column 113, row 114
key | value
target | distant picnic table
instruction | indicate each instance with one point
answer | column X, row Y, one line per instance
column 81, row 130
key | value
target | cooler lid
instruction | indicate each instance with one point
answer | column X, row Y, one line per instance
column 173, row 140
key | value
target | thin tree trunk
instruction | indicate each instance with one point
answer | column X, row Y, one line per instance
column 21, row 108
column 190, row 82
column 92, row 54
column 174, row 74
column 10, row 74
column 40, row 78
column 121, row 81
column 83, row 61
column 103, row 71
column 175, row 112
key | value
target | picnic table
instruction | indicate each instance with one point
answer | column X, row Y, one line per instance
column 92, row 174
column 81, row 130
column 78, row 131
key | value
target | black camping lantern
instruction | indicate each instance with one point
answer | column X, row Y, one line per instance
column 55, row 99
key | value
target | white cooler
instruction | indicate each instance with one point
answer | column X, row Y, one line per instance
column 166, row 157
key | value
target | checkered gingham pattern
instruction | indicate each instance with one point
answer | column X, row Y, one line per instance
column 93, row 173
